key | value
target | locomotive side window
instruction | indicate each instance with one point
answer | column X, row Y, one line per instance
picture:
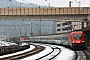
column 77, row 36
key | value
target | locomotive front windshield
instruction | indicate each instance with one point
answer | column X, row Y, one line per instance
column 77, row 36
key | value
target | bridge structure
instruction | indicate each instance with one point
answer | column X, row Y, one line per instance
column 79, row 14
column 52, row 13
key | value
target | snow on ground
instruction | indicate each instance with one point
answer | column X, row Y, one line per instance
column 4, row 43
column 36, row 56
column 65, row 54
column 31, row 48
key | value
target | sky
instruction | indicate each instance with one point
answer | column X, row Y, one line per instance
column 58, row 3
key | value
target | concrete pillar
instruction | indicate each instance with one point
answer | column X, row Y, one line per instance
column 89, row 17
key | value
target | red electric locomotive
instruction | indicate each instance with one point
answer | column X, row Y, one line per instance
column 76, row 38
column 24, row 38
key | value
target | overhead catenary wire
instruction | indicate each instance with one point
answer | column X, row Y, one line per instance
column 13, row 4
column 48, row 3
column 29, row 3
column 78, row 3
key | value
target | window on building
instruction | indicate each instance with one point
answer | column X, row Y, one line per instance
column 66, row 23
column 82, row 25
column 58, row 29
column 67, row 28
column 58, row 25
column 69, row 22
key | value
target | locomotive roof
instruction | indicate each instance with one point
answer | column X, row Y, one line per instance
column 77, row 32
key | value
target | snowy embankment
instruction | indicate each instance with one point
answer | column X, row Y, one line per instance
column 31, row 48
column 36, row 56
column 65, row 54
column 4, row 43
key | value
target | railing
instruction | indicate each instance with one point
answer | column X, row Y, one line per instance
column 44, row 11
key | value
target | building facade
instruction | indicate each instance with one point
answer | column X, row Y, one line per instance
column 69, row 26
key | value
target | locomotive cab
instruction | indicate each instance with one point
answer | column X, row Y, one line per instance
column 76, row 38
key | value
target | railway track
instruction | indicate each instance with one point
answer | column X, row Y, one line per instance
column 50, row 55
column 55, row 51
column 36, row 50
column 81, row 55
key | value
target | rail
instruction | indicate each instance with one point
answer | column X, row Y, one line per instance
column 81, row 55
column 55, row 51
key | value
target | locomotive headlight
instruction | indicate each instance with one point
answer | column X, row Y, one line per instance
column 82, row 41
column 73, row 42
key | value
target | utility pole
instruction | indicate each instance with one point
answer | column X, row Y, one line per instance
column 40, row 27
column 53, row 26
column 40, row 23
column 26, row 31
column 70, row 3
column 31, row 29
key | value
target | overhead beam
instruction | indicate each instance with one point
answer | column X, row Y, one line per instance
column 44, row 17
column 57, row 14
